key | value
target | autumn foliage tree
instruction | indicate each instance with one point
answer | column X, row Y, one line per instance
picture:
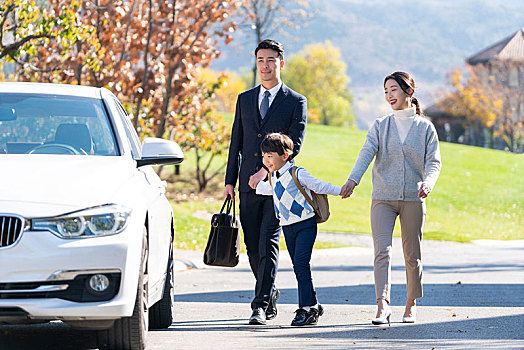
column 207, row 132
column 319, row 73
column 149, row 55
column 483, row 104
column 152, row 52
column 43, row 36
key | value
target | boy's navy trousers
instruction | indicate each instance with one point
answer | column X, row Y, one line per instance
column 300, row 238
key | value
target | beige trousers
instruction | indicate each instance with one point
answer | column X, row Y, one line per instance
column 383, row 217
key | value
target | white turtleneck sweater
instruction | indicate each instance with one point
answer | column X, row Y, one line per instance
column 403, row 120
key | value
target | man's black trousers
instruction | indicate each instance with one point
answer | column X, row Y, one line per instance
column 261, row 234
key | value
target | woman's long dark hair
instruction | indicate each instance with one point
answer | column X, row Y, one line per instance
column 407, row 84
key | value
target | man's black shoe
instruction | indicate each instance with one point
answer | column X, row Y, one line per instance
column 314, row 314
column 272, row 311
column 300, row 318
column 258, row 316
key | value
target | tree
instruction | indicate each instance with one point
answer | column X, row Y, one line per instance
column 265, row 17
column 477, row 103
column 55, row 27
column 224, row 98
column 500, row 79
column 319, row 73
column 153, row 50
column 208, row 133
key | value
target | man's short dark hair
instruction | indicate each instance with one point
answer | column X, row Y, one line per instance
column 272, row 45
column 277, row 142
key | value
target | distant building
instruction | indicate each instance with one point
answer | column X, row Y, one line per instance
column 500, row 66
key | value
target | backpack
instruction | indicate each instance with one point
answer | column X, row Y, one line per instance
column 319, row 202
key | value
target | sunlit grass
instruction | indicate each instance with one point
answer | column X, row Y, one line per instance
column 479, row 194
column 192, row 232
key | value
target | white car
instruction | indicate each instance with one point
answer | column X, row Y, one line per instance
column 86, row 232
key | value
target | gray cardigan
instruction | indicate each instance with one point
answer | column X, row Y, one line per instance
column 400, row 168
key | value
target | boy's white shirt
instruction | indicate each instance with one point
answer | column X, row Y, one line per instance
column 305, row 179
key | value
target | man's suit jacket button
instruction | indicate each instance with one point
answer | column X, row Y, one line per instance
column 256, row 154
column 259, row 135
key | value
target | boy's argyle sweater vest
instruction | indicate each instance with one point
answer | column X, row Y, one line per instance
column 290, row 205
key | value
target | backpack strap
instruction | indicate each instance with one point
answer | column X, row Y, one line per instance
column 269, row 179
column 301, row 189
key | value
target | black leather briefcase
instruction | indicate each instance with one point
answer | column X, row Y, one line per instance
column 223, row 244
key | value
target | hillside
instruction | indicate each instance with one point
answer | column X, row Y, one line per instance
column 427, row 38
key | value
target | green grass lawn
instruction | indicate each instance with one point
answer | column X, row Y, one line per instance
column 191, row 232
column 479, row 194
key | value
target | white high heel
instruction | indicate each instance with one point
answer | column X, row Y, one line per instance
column 384, row 319
column 413, row 317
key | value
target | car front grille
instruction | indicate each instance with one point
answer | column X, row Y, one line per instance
column 11, row 228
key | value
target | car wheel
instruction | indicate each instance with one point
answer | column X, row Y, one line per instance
column 131, row 332
column 162, row 312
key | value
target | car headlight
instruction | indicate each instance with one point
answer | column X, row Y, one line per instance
column 99, row 221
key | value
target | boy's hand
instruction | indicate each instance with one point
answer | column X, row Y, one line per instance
column 257, row 177
column 347, row 189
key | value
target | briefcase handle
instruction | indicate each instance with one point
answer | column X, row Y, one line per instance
column 230, row 202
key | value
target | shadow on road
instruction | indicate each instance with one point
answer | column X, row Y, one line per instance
column 484, row 328
column 434, row 269
column 459, row 295
column 55, row 335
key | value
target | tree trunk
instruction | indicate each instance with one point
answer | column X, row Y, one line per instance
column 258, row 33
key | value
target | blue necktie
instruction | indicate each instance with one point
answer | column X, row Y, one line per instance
column 264, row 106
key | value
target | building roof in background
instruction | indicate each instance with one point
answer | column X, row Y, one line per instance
column 510, row 48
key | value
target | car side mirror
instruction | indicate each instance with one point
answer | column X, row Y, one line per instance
column 157, row 151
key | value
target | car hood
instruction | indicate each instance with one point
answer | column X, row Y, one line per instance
column 53, row 184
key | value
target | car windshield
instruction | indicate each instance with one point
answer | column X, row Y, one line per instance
column 54, row 124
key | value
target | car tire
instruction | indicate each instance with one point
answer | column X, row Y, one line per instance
column 162, row 312
column 131, row 332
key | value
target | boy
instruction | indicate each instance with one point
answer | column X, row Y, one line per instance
column 296, row 216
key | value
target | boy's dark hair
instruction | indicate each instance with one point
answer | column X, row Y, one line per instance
column 277, row 142
column 272, row 45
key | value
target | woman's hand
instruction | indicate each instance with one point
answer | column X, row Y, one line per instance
column 424, row 191
column 347, row 189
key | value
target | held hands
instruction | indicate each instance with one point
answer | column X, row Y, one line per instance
column 257, row 177
column 424, row 191
column 347, row 189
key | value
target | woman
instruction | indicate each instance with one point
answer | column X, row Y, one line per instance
column 407, row 163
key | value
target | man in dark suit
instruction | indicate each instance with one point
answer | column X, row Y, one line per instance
column 269, row 107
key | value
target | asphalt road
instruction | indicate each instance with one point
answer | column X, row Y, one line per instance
column 473, row 300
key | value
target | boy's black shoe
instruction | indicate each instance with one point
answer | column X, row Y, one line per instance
column 258, row 316
column 271, row 311
column 300, row 318
column 314, row 314
column 305, row 318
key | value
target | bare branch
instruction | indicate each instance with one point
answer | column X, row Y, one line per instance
column 35, row 68
column 9, row 49
column 124, row 42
